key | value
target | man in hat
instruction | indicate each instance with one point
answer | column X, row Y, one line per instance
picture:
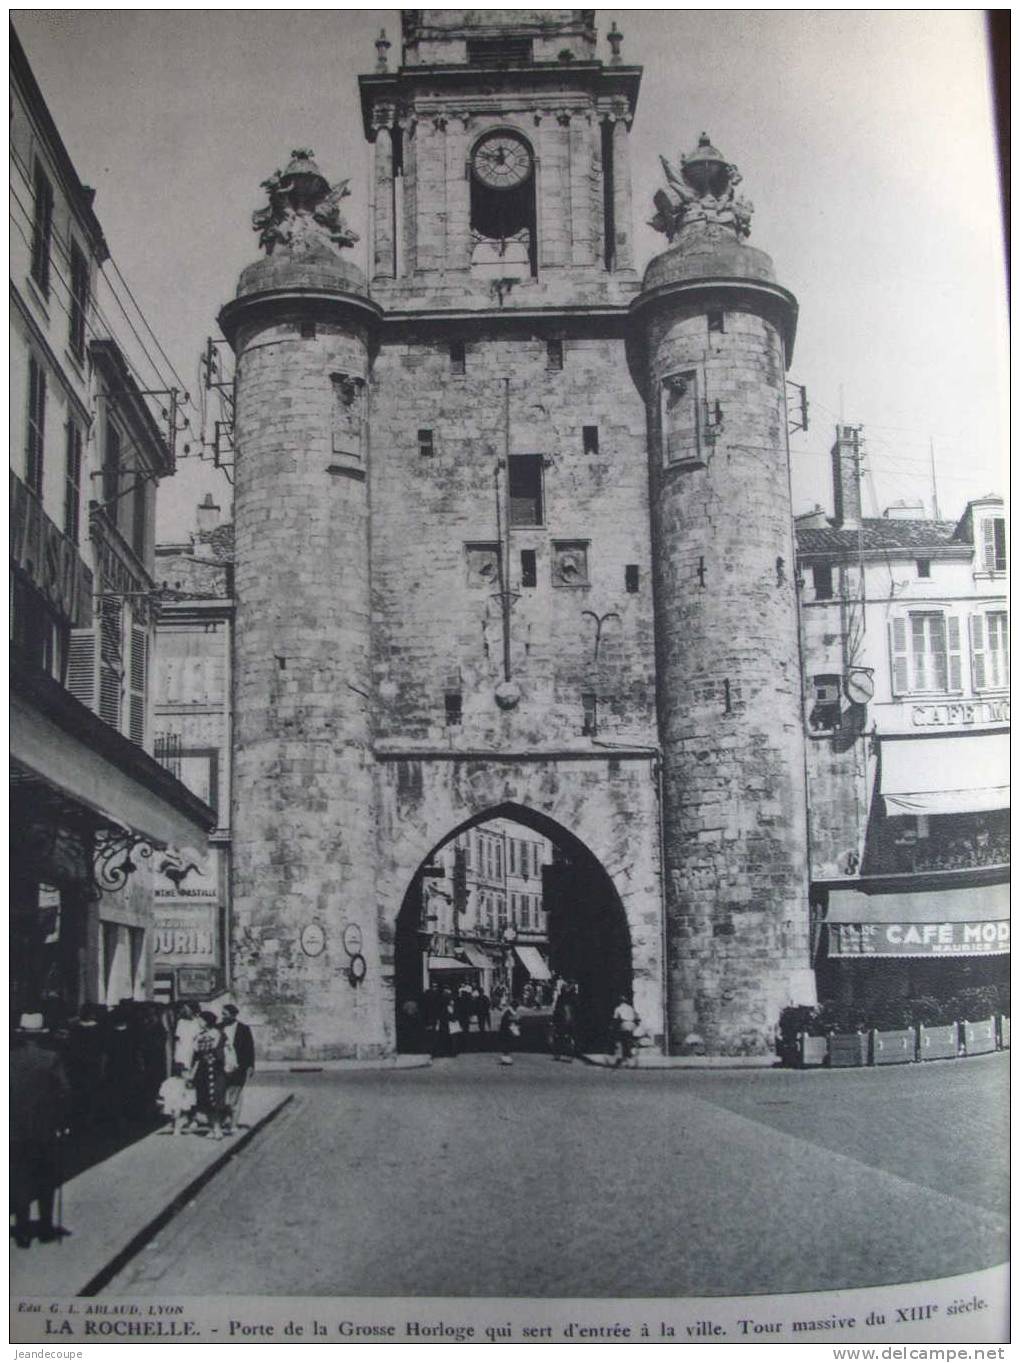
column 40, row 1106
column 239, row 1061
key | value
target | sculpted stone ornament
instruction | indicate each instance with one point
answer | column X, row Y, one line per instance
column 303, row 210
column 703, row 195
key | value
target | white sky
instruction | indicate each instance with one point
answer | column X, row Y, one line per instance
column 864, row 139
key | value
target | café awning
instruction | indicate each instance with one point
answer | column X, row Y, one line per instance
column 962, row 774
column 533, row 962
column 477, row 957
column 449, row 963
column 957, row 921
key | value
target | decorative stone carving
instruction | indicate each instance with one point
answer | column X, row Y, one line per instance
column 303, row 210
column 703, row 195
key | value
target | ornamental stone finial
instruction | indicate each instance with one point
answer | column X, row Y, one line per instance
column 382, row 47
column 614, row 38
column 703, row 195
column 303, row 210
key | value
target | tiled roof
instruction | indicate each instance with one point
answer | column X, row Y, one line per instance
column 880, row 534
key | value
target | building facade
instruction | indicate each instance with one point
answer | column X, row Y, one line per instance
column 91, row 809
column 192, row 727
column 905, row 638
column 514, row 541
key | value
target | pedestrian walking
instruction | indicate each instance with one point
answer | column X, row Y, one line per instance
column 564, row 1023
column 509, row 1033
column 208, row 1074
column 40, row 1106
column 483, row 1010
column 238, row 1063
column 187, row 1029
column 625, row 1024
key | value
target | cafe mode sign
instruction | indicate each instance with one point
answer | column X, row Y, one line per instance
column 186, row 914
column 919, row 939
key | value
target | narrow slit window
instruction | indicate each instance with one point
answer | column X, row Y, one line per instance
column 716, row 319
column 529, row 568
column 454, row 707
column 632, row 577
column 426, row 444
column 554, row 354
column 590, row 438
column 589, row 708
column 308, row 331
column 525, row 479
column 458, row 357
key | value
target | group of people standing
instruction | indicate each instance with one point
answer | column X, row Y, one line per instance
column 213, row 1059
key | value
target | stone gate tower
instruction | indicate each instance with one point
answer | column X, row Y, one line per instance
column 513, row 537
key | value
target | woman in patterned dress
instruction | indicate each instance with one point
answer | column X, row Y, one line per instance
column 208, row 1074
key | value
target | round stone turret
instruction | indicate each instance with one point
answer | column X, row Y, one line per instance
column 302, row 329
column 717, row 332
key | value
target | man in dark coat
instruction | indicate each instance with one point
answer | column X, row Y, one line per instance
column 40, row 1106
column 239, row 1059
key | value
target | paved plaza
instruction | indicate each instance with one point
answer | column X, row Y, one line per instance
column 572, row 1181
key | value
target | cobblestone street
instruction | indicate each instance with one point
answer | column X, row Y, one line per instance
column 549, row 1180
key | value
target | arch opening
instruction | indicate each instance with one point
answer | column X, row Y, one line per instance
column 505, row 908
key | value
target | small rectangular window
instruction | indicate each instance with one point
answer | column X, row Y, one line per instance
column 426, row 447
column 632, row 577
column 554, row 354
column 72, row 483
column 529, row 568
column 308, row 331
column 42, row 229
column 590, row 439
column 825, row 709
column 36, row 426
column 924, row 567
column 716, row 319
column 458, row 357
column 821, row 575
column 590, row 709
column 454, row 707
column 525, row 479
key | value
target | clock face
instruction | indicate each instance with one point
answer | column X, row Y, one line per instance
column 502, row 161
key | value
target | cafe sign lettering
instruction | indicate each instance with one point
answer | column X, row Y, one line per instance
column 959, row 714
column 990, row 938
column 48, row 558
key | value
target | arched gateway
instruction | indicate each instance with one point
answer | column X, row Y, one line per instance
column 472, row 927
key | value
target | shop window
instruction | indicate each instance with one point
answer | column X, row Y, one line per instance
column 825, row 703
column 993, row 544
column 989, row 651
column 529, row 568
column 454, row 707
column 821, row 577
column 554, row 355
column 426, row 445
column 42, row 228
column 458, row 357
column 525, row 481
column 590, row 439
column 924, row 648
column 36, row 426
column 632, row 578
column 79, row 300
column 924, row 567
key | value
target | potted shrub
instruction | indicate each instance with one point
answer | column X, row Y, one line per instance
column 795, row 1024
column 937, row 1032
column 976, row 1010
column 848, row 1037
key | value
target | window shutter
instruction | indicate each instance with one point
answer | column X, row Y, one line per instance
column 988, row 545
column 955, row 661
column 898, row 656
column 977, row 652
column 81, row 666
column 111, row 673
column 138, row 684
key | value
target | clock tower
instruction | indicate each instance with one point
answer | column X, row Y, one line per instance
column 502, row 165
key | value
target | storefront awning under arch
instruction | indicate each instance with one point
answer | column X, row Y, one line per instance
column 961, row 774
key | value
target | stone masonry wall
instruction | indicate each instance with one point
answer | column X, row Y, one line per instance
column 302, row 820
column 729, row 686
column 437, row 623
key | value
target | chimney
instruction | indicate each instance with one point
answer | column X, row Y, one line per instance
column 846, row 482
column 208, row 514
column 904, row 511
